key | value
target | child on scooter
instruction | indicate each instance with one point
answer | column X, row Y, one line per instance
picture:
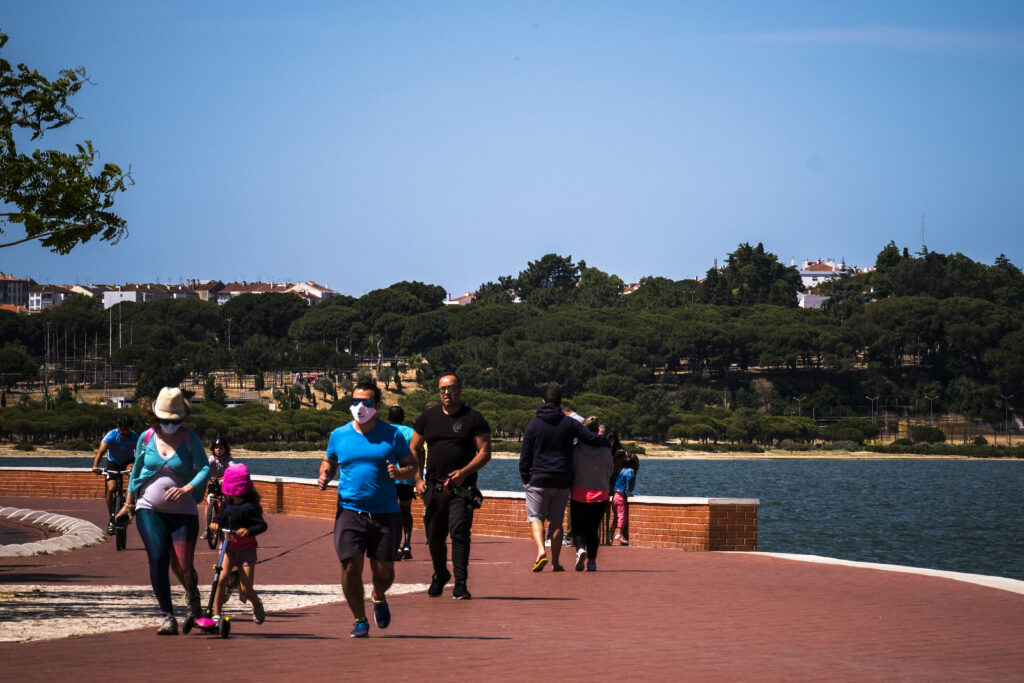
column 241, row 515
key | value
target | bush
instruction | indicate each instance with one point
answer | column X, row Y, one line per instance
column 24, row 447
column 926, row 434
column 903, row 442
column 272, row 446
column 634, row 448
column 790, row 445
column 980, row 441
column 80, row 445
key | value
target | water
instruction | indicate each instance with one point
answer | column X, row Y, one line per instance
column 960, row 515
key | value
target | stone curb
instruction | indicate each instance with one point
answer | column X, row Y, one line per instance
column 75, row 533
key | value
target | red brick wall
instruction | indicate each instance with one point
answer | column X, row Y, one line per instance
column 667, row 523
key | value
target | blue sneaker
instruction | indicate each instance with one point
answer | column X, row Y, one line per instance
column 361, row 629
column 381, row 612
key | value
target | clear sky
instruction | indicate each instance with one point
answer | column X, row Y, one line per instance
column 363, row 143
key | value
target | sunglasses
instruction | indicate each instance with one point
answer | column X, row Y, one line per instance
column 450, row 389
column 368, row 402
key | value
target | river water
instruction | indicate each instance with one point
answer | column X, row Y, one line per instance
column 959, row 515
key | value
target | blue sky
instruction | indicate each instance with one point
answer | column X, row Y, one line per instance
column 359, row 144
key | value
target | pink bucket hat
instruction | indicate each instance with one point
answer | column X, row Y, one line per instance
column 236, row 480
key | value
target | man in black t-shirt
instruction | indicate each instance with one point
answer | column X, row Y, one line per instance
column 459, row 442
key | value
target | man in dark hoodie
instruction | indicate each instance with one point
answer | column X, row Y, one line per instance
column 545, row 466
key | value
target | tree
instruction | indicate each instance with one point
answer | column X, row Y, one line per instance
column 53, row 195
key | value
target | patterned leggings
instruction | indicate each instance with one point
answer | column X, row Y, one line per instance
column 170, row 541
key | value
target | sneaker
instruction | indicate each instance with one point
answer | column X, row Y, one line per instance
column 381, row 612
column 258, row 613
column 621, row 540
column 169, row 626
column 216, row 620
column 398, row 555
column 437, row 584
column 460, row 592
column 110, row 528
column 557, row 568
column 547, row 542
column 566, row 541
column 406, row 553
column 195, row 607
column 591, row 565
column 581, row 558
column 361, row 629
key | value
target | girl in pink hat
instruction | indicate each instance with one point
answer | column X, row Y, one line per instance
column 242, row 518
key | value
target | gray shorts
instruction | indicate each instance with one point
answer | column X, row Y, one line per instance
column 544, row 503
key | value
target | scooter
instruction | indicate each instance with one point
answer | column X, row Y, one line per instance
column 206, row 623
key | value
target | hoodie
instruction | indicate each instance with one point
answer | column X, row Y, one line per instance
column 545, row 459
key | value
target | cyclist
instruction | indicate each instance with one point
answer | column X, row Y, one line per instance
column 119, row 447
column 219, row 461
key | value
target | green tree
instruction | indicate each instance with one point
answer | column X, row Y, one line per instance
column 53, row 195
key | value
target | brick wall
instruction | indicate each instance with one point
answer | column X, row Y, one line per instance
column 654, row 522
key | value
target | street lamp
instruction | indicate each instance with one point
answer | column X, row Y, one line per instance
column 229, row 334
column 799, row 404
column 872, row 407
column 931, row 406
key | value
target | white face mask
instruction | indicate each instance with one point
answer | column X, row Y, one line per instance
column 362, row 414
column 168, row 428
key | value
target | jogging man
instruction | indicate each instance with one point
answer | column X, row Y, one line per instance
column 119, row 447
column 459, row 440
column 367, row 451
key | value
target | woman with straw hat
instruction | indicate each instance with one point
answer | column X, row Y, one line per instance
column 167, row 482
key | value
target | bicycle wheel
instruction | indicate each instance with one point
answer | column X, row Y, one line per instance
column 212, row 509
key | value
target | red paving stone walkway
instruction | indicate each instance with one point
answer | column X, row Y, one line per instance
column 653, row 614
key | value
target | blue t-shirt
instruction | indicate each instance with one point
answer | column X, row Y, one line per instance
column 363, row 481
column 626, row 481
column 407, row 432
column 120, row 449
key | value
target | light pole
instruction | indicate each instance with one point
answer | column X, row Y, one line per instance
column 872, row 407
column 931, row 406
column 799, row 404
column 229, row 334
column 1006, row 416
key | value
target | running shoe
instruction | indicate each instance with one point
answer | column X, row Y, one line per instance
column 169, row 626
column 591, row 565
column 581, row 558
column 460, row 592
column 398, row 555
column 437, row 584
column 361, row 629
column 406, row 553
column 381, row 612
column 258, row 613
column 110, row 528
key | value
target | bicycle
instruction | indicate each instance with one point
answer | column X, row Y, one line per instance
column 214, row 502
column 118, row 496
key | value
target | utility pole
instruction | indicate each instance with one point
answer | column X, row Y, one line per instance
column 1006, row 416
column 931, row 406
column 799, row 404
column 229, row 334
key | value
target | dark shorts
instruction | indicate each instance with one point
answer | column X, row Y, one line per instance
column 243, row 557
column 405, row 491
column 376, row 535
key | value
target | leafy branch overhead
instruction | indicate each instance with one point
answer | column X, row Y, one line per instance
column 53, row 195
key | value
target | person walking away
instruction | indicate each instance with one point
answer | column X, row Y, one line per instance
column 592, row 467
column 119, row 447
column 405, row 488
column 166, row 485
column 546, row 469
column 242, row 519
column 366, row 453
column 459, row 440
column 624, row 484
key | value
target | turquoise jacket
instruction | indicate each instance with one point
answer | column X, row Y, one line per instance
column 189, row 462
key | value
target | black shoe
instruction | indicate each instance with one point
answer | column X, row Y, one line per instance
column 437, row 584
column 406, row 553
column 110, row 528
column 398, row 555
column 460, row 592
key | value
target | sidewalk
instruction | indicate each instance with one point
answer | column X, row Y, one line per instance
column 654, row 614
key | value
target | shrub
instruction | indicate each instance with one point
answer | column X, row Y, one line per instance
column 980, row 441
column 790, row 445
column 631, row 447
column 903, row 441
column 24, row 447
column 80, row 445
column 926, row 434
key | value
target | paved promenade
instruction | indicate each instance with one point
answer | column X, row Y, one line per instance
column 653, row 614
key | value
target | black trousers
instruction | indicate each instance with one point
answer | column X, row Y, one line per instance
column 586, row 525
column 446, row 514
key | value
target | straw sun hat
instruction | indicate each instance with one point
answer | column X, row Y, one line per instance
column 170, row 404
